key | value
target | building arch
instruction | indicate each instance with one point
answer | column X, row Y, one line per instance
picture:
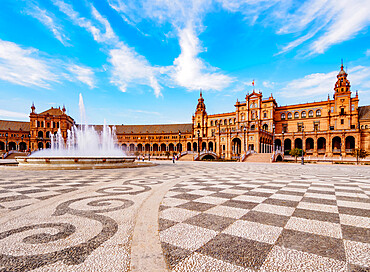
column 204, row 146
column 310, row 113
column 296, row 115
column 318, row 113
column 303, row 114
column 350, row 143
column 40, row 134
column 140, row 147
column 208, row 157
column 277, row 144
column 40, row 145
column 48, row 145
column 12, row 146
column 155, row 147
column 290, row 115
column 310, row 144
column 147, row 148
column 287, row 144
column 298, row 143
column 22, row 146
column 179, row 147
column 195, row 147
column 124, row 147
column 48, row 134
column 2, row 145
column 253, row 127
column 171, row 147
column 188, row 146
column 163, row 147
column 131, row 147
column 336, row 144
column 210, row 146
column 321, row 144
column 265, row 127
column 236, row 146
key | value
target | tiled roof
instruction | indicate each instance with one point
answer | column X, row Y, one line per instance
column 364, row 113
column 142, row 129
column 14, row 125
column 53, row 111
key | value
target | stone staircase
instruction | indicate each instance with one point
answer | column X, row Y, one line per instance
column 16, row 154
column 187, row 157
column 259, row 157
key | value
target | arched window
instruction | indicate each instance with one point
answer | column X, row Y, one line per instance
column 230, row 121
column 290, row 115
column 48, row 125
column 296, row 114
column 310, row 113
column 225, row 122
column 242, row 116
column 253, row 127
column 38, row 123
column 216, row 123
column 211, row 123
column 283, row 116
column 303, row 114
column 318, row 113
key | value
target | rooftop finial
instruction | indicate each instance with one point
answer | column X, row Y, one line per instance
column 341, row 67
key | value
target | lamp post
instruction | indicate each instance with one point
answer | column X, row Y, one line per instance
column 22, row 140
column 6, row 142
column 29, row 142
column 179, row 144
column 245, row 141
column 198, row 132
column 283, row 141
column 273, row 138
column 302, row 145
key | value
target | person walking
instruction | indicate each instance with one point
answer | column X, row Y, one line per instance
column 173, row 158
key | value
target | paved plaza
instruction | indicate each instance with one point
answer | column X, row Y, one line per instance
column 188, row 216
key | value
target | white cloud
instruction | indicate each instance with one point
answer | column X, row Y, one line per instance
column 268, row 84
column 328, row 22
column 12, row 114
column 83, row 74
column 367, row 53
column 321, row 84
column 190, row 71
column 24, row 66
column 127, row 65
column 46, row 19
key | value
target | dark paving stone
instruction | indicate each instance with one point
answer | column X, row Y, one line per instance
column 235, row 250
column 46, row 197
column 353, row 199
column 240, row 204
column 196, row 206
column 241, row 188
column 320, row 192
column 296, row 186
column 223, row 195
column 187, row 196
column 165, row 224
column 317, row 215
column 4, row 191
column 212, row 189
column 317, row 244
column 13, row 198
column 280, row 202
column 163, row 207
column 356, row 234
column 354, row 211
column 319, row 201
column 173, row 254
column 15, row 186
column 181, row 190
column 290, row 193
column 210, row 221
column 357, row 268
column 64, row 191
column 33, row 191
column 256, row 193
column 266, row 218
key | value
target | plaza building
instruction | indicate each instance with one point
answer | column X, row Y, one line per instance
column 329, row 128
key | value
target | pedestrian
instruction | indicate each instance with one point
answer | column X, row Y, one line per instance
column 173, row 158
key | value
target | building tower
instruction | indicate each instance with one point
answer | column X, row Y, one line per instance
column 200, row 120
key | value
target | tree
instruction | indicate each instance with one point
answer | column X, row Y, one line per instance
column 359, row 153
column 295, row 152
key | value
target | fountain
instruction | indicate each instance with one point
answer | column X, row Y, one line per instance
column 84, row 147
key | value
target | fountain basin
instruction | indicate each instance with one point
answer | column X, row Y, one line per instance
column 78, row 162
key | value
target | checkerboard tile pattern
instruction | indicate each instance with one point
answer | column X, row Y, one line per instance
column 278, row 223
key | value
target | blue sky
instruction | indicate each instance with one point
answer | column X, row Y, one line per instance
column 144, row 62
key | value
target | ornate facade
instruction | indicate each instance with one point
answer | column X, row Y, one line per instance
column 333, row 127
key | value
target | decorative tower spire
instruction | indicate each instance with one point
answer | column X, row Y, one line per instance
column 64, row 109
column 33, row 108
column 342, row 85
